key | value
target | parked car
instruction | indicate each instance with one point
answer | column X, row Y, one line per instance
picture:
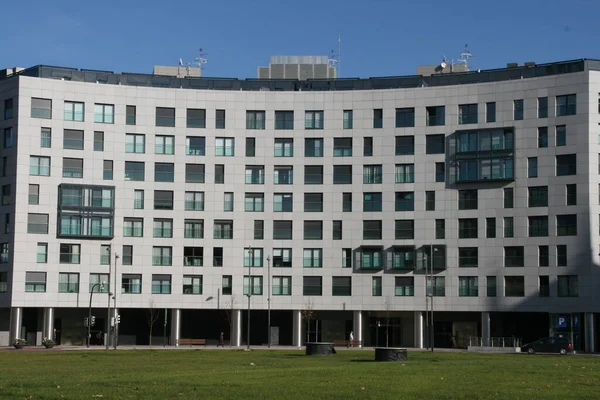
column 560, row 345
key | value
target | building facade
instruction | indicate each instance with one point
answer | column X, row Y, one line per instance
column 340, row 206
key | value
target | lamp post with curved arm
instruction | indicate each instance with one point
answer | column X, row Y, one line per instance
column 89, row 327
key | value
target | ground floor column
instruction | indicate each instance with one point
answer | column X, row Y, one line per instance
column 590, row 345
column 175, row 326
column 358, row 327
column 48, row 325
column 418, row 329
column 297, row 328
column 236, row 328
column 485, row 329
column 16, row 322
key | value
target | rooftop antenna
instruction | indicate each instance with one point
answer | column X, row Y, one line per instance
column 201, row 59
column 335, row 59
column 464, row 57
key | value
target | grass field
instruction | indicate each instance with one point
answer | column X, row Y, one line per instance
column 210, row 374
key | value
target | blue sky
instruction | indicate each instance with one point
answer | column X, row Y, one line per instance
column 379, row 37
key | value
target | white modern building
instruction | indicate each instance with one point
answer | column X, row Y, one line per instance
column 340, row 198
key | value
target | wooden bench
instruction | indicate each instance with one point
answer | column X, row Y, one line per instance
column 191, row 342
column 347, row 343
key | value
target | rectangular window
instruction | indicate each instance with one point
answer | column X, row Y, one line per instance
column 561, row 135
column 72, row 168
column 74, row 111
column 571, row 194
column 194, row 173
column 8, row 109
column 544, row 286
column 164, row 144
column 253, row 258
column 509, row 198
column 255, row 174
column 561, row 255
column 566, row 105
column 312, row 286
column 435, row 144
column 532, row 167
column 313, row 120
column 253, row 284
column 255, row 120
column 514, row 256
column 228, row 201
column 42, row 253
column 348, row 119
column 135, row 143
column 405, row 117
column 9, row 138
column 346, row 202
column 284, row 147
column 161, row 284
column 440, row 229
column 195, row 145
column 372, row 202
column 259, row 229
column 468, row 257
column 405, row 201
column 192, row 284
column 542, row 107
column 104, row 113
column 403, row 258
column 518, row 109
column 135, row 171
column 341, row 286
column 282, row 286
column 376, row 286
column 467, row 286
column 435, row 116
column 6, row 195
column 342, row 174
column 313, row 230
column 131, row 284
column 404, row 229
column 405, row 145
column 98, row 141
column 538, row 196
column 491, row 286
column 163, row 199
column 372, row 230
column 404, row 286
column 130, row 115
column 34, row 194
column 566, row 164
column 46, row 137
column 41, row 108
column 4, row 253
column 193, row 229
column 372, row 174
column 467, row 228
column 490, row 112
column 509, row 228
column 73, row 139
column 312, row 258
column 467, row 114
column 313, row 202
column 313, row 147
column 367, row 146
column 133, row 227
column 196, row 118
column 193, row 256
column 405, row 173
column 282, row 258
column 337, row 230
column 37, row 223
column 377, row 118
column 342, row 147
column 543, row 137
column 138, row 199
column 283, row 202
column 70, row 253
column 163, row 228
column 436, row 286
column 543, row 256
column 227, row 284
column 99, row 283
column 219, row 119
column 440, row 172
column 313, row 174
column 490, row 227
column 283, row 175
column 514, row 286
column 284, row 120
column 254, row 202
column 35, row 282
column 467, row 199
column 165, row 116
column 538, row 226
column 225, row 147
column 282, row 230
column 223, row 229
column 162, row 255
column 568, row 286
column 370, row 258
column 127, row 255
column 566, row 225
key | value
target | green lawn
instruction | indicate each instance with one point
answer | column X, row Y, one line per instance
column 210, row 374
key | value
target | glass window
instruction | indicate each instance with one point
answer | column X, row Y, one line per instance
column 404, row 229
column 467, row 113
column 194, row 201
column 566, row 105
column 131, row 283
column 372, row 174
column 568, row 286
column 342, row 147
column 255, row 120
column 372, row 230
column 163, row 199
column 543, row 136
column 312, row 258
column 405, row 173
column 283, row 175
column 162, row 255
column 348, row 119
column 367, row 146
column 164, row 144
column 196, row 118
column 341, row 286
column 74, row 111
column 219, row 119
column 284, row 120
column 566, row 164
column 566, row 225
column 404, row 286
column 518, row 109
column 467, row 286
column 193, row 229
column 35, row 281
column 514, row 286
column 284, row 147
column 490, row 227
column 39, row 166
column 313, row 230
column 164, row 172
column 377, row 118
column 538, row 226
column 509, row 227
column 435, row 116
column 46, row 137
column 509, row 198
column 514, row 256
column 228, row 201
column 255, row 174
column 223, row 229
column 532, row 167
column 165, row 116
column 313, row 202
column 104, row 113
column 538, row 196
column 195, row 145
column 561, row 135
column 34, row 194
column 313, row 174
column 135, row 143
column 219, row 173
column 161, row 284
column 313, row 147
column 405, row 145
column 134, row 171
column 313, row 120
column 405, row 201
column 372, row 202
column 73, row 139
column 194, row 173
column 72, row 168
column 435, row 144
column 467, row 228
column 41, row 108
column 347, row 202
column 225, row 147
column 130, row 115
column 467, row 199
column 405, row 117
column 430, row 200
column 542, row 107
column 98, row 141
column 138, row 199
column 282, row 230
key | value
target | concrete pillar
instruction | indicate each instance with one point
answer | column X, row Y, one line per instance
column 48, row 324
column 358, row 327
column 175, row 326
column 485, row 329
column 418, row 329
column 590, row 345
column 297, row 328
column 236, row 334
column 16, row 322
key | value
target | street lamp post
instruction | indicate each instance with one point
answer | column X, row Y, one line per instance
column 250, row 287
column 429, row 293
column 116, row 325
column 269, row 301
column 89, row 327
column 107, row 336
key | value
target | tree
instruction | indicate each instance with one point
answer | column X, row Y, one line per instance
column 231, row 305
column 307, row 314
column 152, row 314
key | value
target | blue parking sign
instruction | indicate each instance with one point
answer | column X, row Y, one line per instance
column 561, row 322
